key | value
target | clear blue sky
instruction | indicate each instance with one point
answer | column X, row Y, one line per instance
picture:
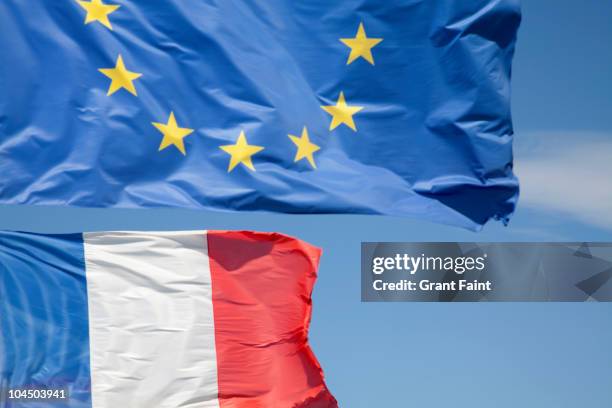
column 462, row 355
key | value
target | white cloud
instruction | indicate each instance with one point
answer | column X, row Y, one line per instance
column 569, row 173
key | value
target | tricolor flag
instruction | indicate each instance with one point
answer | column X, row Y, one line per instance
column 159, row 320
column 397, row 107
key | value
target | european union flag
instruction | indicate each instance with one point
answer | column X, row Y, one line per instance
column 306, row 106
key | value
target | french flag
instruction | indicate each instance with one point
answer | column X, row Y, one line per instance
column 197, row 319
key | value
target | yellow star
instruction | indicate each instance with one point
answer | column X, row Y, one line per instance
column 241, row 152
column 120, row 77
column 98, row 11
column 342, row 113
column 173, row 134
column 305, row 148
column 361, row 46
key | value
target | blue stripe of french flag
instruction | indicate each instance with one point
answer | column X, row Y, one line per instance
column 189, row 319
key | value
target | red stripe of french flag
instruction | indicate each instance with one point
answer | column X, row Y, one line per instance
column 262, row 285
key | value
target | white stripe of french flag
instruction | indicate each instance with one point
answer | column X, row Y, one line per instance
column 202, row 319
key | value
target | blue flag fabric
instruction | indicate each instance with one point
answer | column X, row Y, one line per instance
column 361, row 106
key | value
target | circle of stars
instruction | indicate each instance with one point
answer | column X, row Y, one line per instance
column 241, row 152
